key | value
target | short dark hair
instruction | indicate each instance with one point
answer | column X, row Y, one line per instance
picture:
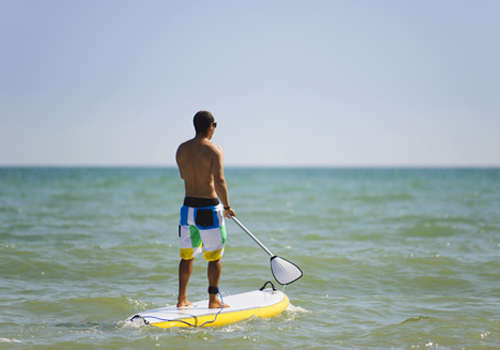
column 202, row 121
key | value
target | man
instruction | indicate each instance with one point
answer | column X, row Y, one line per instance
column 201, row 224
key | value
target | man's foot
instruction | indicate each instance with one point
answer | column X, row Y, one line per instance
column 216, row 304
column 184, row 303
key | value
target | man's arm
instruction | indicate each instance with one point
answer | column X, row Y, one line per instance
column 177, row 160
column 220, row 181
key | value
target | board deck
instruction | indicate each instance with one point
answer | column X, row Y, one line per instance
column 259, row 303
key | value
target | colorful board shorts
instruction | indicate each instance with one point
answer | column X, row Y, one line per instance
column 202, row 228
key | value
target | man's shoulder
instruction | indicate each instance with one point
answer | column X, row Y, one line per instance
column 196, row 144
column 185, row 143
column 182, row 146
column 211, row 146
column 215, row 146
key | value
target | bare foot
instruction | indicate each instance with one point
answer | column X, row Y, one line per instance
column 217, row 304
column 184, row 303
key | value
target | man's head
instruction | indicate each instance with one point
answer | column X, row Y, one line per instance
column 202, row 121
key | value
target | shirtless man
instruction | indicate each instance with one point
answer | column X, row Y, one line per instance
column 200, row 164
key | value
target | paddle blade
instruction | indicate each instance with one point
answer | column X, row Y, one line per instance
column 284, row 271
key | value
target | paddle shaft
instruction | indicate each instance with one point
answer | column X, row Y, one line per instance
column 252, row 236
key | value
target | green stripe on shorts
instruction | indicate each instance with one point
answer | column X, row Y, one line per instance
column 195, row 236
column 223, row 234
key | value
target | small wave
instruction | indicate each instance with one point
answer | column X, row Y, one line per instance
column 139, row 304
column 296, row 309
column 418, row 318
column 5, row 340
column 244, row 325
column 131, row 324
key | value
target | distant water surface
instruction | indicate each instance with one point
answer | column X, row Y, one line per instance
column 392, row 258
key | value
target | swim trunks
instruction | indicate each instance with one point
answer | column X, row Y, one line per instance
column 202, row 228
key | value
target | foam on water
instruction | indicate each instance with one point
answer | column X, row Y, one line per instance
column 295, row 309
column 6, row 340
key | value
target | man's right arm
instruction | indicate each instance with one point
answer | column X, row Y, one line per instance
column 220, row 181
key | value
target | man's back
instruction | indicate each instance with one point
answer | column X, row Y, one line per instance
column 195, row 159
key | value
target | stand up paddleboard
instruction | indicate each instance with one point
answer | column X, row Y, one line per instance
column 260, row 303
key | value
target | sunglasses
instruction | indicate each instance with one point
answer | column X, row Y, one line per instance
column 214, row 124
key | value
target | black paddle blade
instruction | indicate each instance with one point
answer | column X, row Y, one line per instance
column 284, row 271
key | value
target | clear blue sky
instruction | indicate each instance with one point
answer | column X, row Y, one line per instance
column 290, row 83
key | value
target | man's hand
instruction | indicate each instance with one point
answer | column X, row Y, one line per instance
column 228, row 213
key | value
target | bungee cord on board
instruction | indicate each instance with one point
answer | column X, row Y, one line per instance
column 180, row 321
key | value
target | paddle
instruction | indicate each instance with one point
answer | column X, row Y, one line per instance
column 283, row 270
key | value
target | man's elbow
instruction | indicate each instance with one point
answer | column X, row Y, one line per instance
column 220, row 183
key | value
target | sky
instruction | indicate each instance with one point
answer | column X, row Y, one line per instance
column 353, row 83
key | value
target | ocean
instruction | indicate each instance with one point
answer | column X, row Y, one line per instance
column 392, row 258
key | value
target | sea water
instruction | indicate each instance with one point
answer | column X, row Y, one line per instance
column 392, row 258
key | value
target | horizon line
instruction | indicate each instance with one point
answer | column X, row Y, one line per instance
column 261, row 166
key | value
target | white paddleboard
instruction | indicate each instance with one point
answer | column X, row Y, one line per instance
column 260, row 303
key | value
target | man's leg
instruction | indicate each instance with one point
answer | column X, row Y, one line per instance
column 214, row 271
column 185, row 269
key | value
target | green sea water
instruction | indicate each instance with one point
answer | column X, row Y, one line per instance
column 392, row 258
